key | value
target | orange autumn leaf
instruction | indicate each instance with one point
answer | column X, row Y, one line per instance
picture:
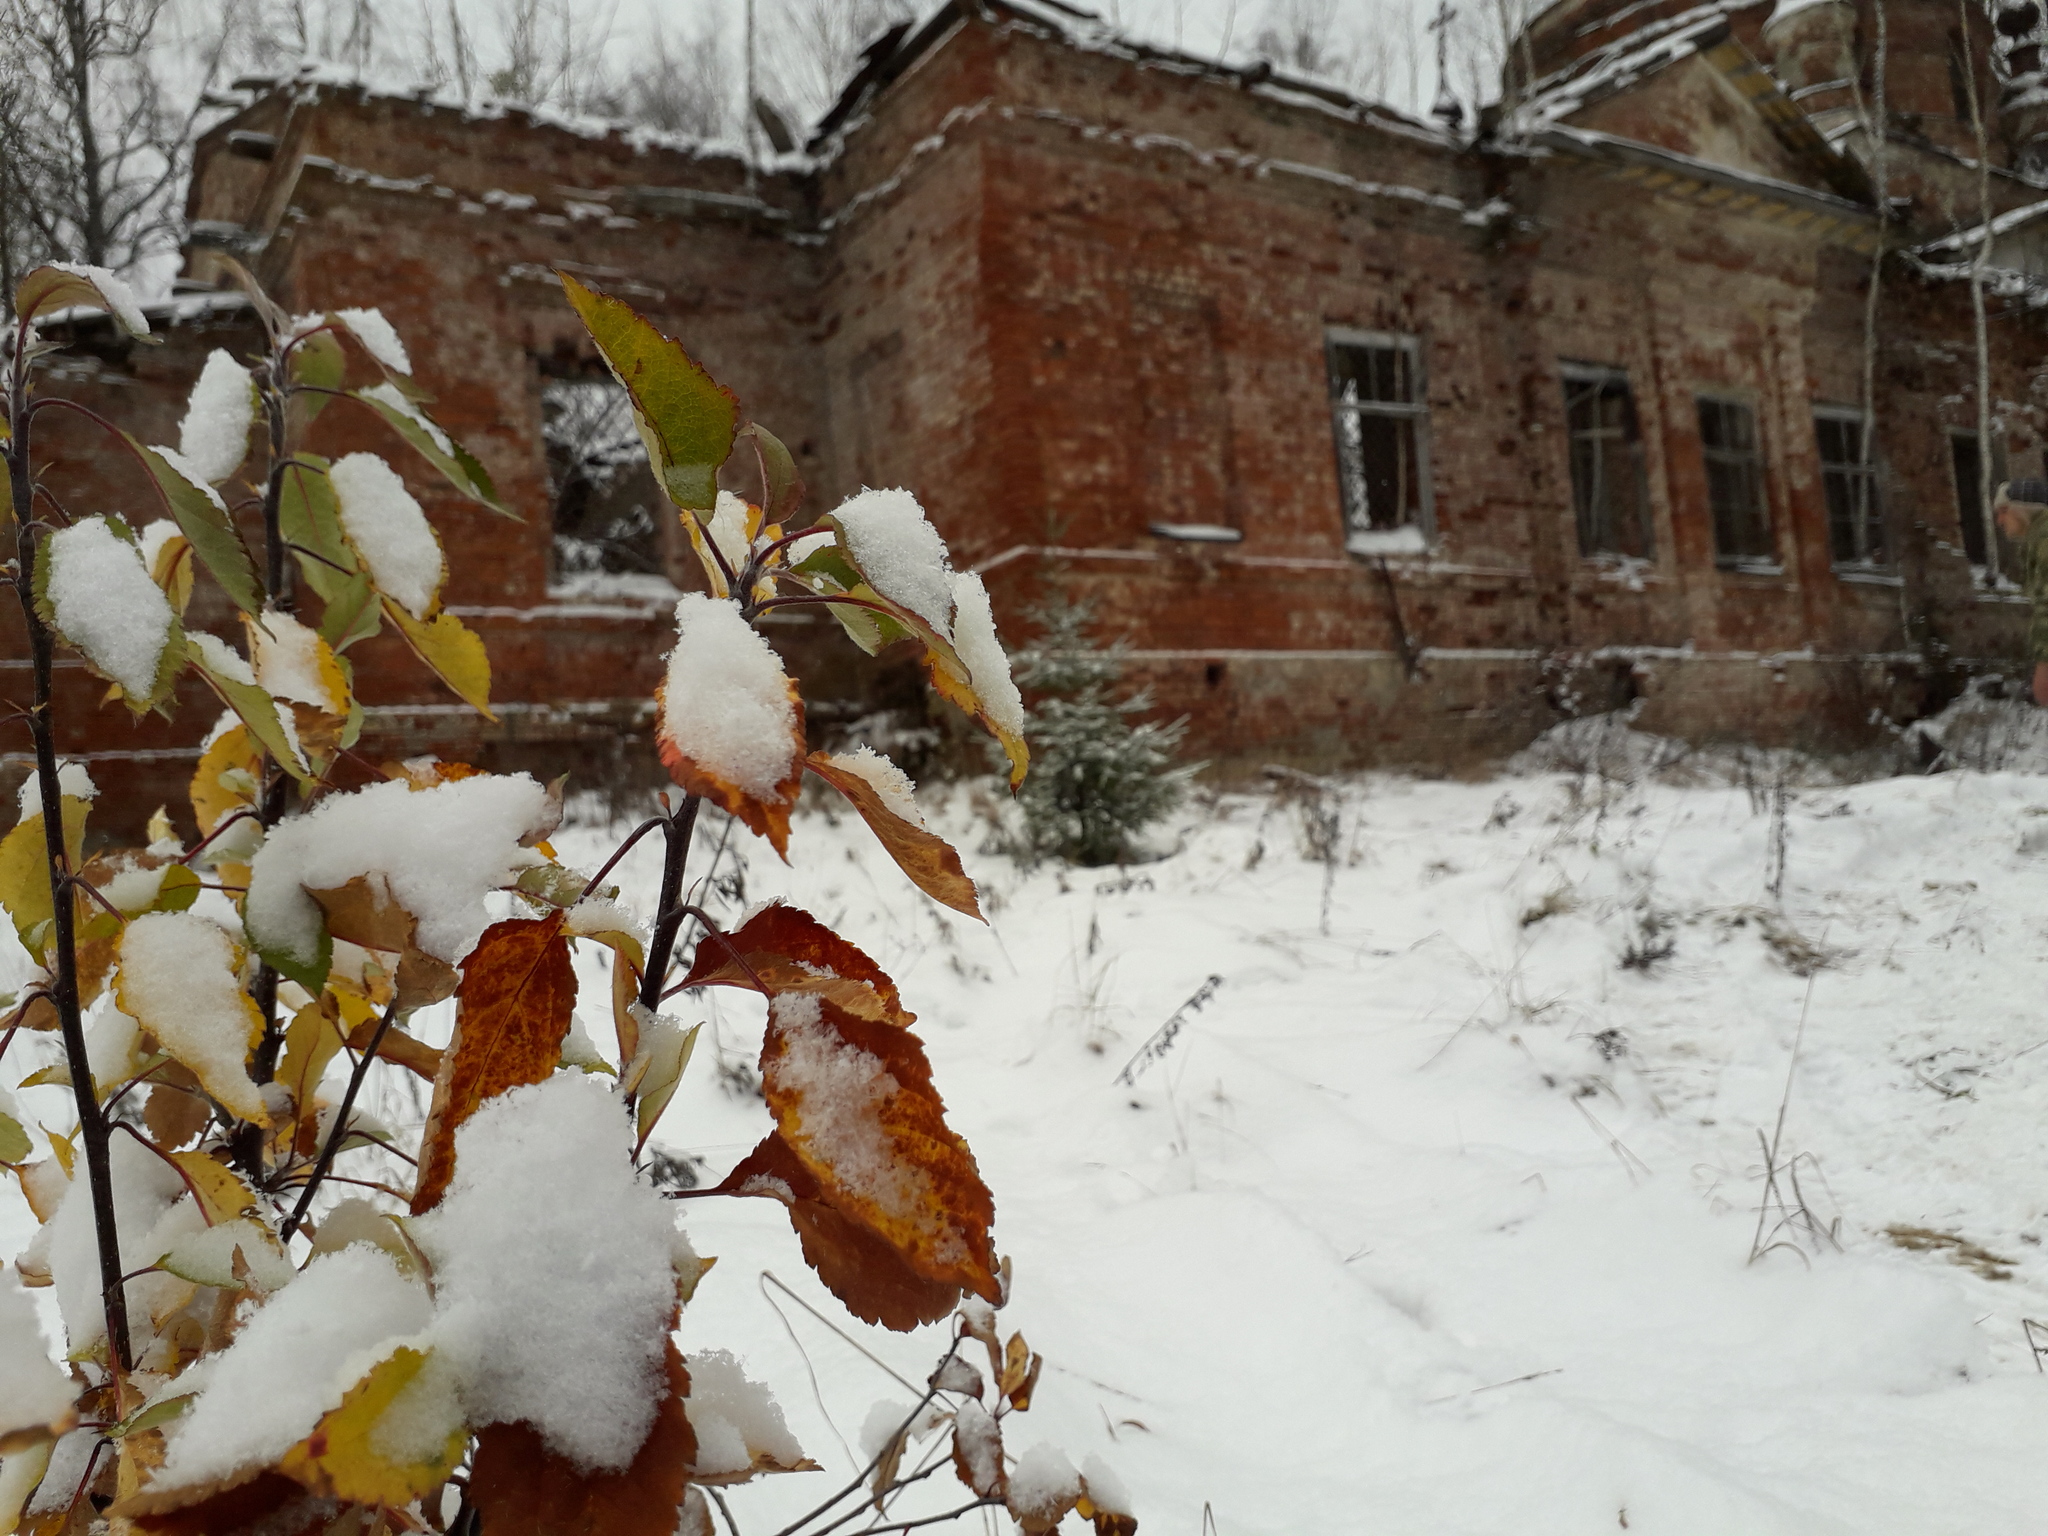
column 512, row 1013
column 932, row 863
column 852, row 1096
column 789, row 950
column 521, row 1488
column 868, row 1275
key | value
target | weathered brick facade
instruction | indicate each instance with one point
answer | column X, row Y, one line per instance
column 1077, row 297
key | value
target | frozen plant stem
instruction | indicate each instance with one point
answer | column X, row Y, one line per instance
column 92, row 1124
column 248, row 1140
column 339, row 1131
column 677, row 829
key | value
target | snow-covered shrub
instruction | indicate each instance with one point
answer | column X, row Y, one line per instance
column 1099, row 780
column 486, row 1345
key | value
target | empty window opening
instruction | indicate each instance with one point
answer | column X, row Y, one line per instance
column 609, row 514
column 1609, row 493
column 1735, row 485
column 1381, row 419
column 1967, row 463
column 1857, row 536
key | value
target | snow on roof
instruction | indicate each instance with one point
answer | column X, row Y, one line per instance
column 308, row 79
column 1963, row 239
column 1643, row 52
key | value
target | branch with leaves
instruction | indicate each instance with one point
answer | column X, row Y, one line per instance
column 263, row 1331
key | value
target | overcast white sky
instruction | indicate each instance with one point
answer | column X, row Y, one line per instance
column 1394, row 57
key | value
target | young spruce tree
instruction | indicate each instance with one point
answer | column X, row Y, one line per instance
column 1098, row 780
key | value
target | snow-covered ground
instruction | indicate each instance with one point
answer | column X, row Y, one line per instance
column 1438, row 1216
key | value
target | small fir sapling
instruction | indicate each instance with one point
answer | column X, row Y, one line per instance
column 490, row 1349
column 1098, row 780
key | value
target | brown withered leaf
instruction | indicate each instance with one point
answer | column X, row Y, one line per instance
column 1106, row 1522
column 978, row 1451
column 521, row 1488
column 363, row 912
column 791, row 951
column 856, row 1265
column 416, row 1056
column 511, row 1015
column 175, row 1111
column 269, row 1501
column 427, row 772
column 833, row 1080
column 764, row 816
column 932, row 863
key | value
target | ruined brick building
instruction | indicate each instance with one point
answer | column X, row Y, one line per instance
column 1379, row 440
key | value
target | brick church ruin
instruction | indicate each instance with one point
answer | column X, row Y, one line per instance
column 1379, row 440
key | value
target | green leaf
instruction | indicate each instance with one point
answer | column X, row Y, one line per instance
column 179, row 888
column 155, row 1416
column 320, row 362
column 52, row 287
column 203, row 518
column 828, row 573
column 780, row 483
column 217, row 663
column 310, row 520
column 15, row 1145
column 454, row 461
column 353, row 614
column 686, row 419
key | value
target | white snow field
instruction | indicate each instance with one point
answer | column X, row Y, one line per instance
column 1437, row 1217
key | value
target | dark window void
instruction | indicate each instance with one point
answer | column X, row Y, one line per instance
column 1381, row 420
column 1735, row 485
column 1857, row 536
column 1609, row 492
column 608, row 512
column 1968, row 464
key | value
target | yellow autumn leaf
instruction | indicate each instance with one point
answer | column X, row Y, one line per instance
column 455, row 653
column 397, row 1435
column 25, row 868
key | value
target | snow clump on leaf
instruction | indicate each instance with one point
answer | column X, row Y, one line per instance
column 437, row 852
column 725, row 703
column 114, row 289
column 73, row 782
column 179, row 978
column 292, row 1363
column 378, row 337
column 104, row 603
column 552, row 1267
column 881, row 775
column 900, row 553
column 39, row 1394
column 389, row 394
column 387, row 528
column 214, row 436
column 974, row 639
column 737, row 1423
column 144, row 1187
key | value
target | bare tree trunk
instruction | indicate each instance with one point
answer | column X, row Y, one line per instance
column 1979, row 320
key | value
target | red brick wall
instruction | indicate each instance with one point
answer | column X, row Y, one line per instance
column 1063, row 295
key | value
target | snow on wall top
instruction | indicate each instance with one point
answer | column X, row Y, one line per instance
column 306, row 81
